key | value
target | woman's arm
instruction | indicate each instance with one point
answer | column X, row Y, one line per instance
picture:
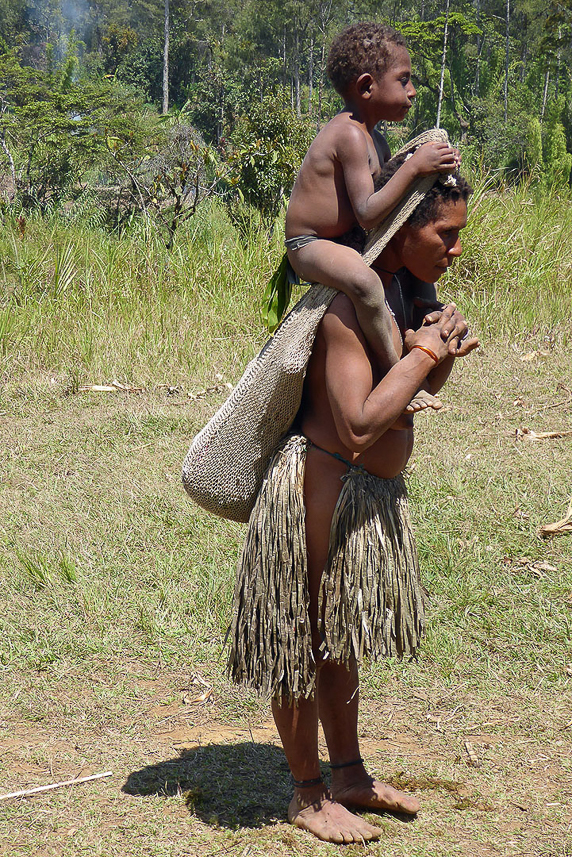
column 459, row 345
column 362, row 410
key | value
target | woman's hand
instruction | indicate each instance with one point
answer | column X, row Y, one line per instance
column 456, row 331
column 438, row 335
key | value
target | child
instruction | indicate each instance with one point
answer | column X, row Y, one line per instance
column 333, row 200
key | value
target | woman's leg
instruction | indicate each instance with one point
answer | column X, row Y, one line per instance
column 337, row 685
column 311, row 807
column 338, row 702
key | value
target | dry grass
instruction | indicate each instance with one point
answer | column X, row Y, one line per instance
column 116, row 596
column 96, row 670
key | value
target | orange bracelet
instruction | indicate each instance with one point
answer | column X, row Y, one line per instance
column 427, row 351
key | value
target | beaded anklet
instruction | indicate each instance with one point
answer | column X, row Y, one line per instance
column 307, row 784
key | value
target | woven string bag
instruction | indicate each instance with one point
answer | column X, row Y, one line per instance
column 226, row 462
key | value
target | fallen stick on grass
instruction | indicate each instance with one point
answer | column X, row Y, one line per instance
column 73, row 782
column 473, row 758
column 542, row 435
column 115, row 387
column 560, row 527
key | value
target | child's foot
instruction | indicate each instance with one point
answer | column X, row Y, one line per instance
column 421, row 401
column 314, row 810
column 353, row 786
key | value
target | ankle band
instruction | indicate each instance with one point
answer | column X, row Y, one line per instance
column 307, row 784
column 335, row 765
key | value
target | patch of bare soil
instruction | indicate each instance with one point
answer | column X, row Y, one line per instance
column 493, row 780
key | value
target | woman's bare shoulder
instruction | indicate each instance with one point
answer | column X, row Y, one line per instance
column 340, row 324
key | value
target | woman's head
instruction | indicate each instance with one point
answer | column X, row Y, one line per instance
column 428, row 242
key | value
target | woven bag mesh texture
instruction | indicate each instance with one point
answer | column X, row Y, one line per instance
column 225, row 465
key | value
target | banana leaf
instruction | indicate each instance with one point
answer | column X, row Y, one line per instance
column 276, row 296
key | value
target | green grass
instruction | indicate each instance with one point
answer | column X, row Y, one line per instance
column 87, row 304
column 76, row 301
column 116, row 589
column 512, row 277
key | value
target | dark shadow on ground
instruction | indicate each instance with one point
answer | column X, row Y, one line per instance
column 234, row 785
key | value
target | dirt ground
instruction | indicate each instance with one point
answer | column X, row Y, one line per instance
column 113, row 664
column 188, row 778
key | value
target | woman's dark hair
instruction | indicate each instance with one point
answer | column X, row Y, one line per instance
column 441, row 192
column 361, row 48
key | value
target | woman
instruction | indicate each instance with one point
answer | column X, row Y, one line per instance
column 329, row 571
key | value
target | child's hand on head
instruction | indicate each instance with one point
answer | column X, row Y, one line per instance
column 434, row 158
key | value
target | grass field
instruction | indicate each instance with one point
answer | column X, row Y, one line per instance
column 116, row 589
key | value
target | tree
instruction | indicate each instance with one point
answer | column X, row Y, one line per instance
column 557, row 160
column 166, row 61
column 443, row 63
column 226, row 57
column 167, row 179
column 52, row 128
column 268, row 146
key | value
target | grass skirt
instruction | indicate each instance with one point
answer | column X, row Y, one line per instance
column 371, row 598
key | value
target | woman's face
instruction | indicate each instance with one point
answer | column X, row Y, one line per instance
column 427, row 251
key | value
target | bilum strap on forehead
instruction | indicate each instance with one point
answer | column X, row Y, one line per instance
column 381, row 235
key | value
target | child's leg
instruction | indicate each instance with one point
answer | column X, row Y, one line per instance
column 343, row 269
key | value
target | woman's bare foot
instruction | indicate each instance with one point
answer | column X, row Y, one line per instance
column 421, row 401
column 313, row 809
column 353, row 786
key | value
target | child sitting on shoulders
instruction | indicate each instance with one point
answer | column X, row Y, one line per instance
column 333, row 201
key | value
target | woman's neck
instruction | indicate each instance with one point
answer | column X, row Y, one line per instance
column 385, row 274
column 387, row 263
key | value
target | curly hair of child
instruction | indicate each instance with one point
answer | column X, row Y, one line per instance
column 360, row 48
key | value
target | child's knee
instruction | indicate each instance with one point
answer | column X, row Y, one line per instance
column 364, row 286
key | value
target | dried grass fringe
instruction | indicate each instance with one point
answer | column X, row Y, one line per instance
column 371, row 595
column 271, row 638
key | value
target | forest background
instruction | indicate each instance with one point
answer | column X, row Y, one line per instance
column 156, row 105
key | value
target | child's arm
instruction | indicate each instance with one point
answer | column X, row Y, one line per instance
column 370, row 207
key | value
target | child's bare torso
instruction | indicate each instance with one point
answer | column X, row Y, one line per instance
column 320, row 204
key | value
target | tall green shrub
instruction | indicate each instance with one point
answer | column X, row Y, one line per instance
column 268, row 146
column 557, row 160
